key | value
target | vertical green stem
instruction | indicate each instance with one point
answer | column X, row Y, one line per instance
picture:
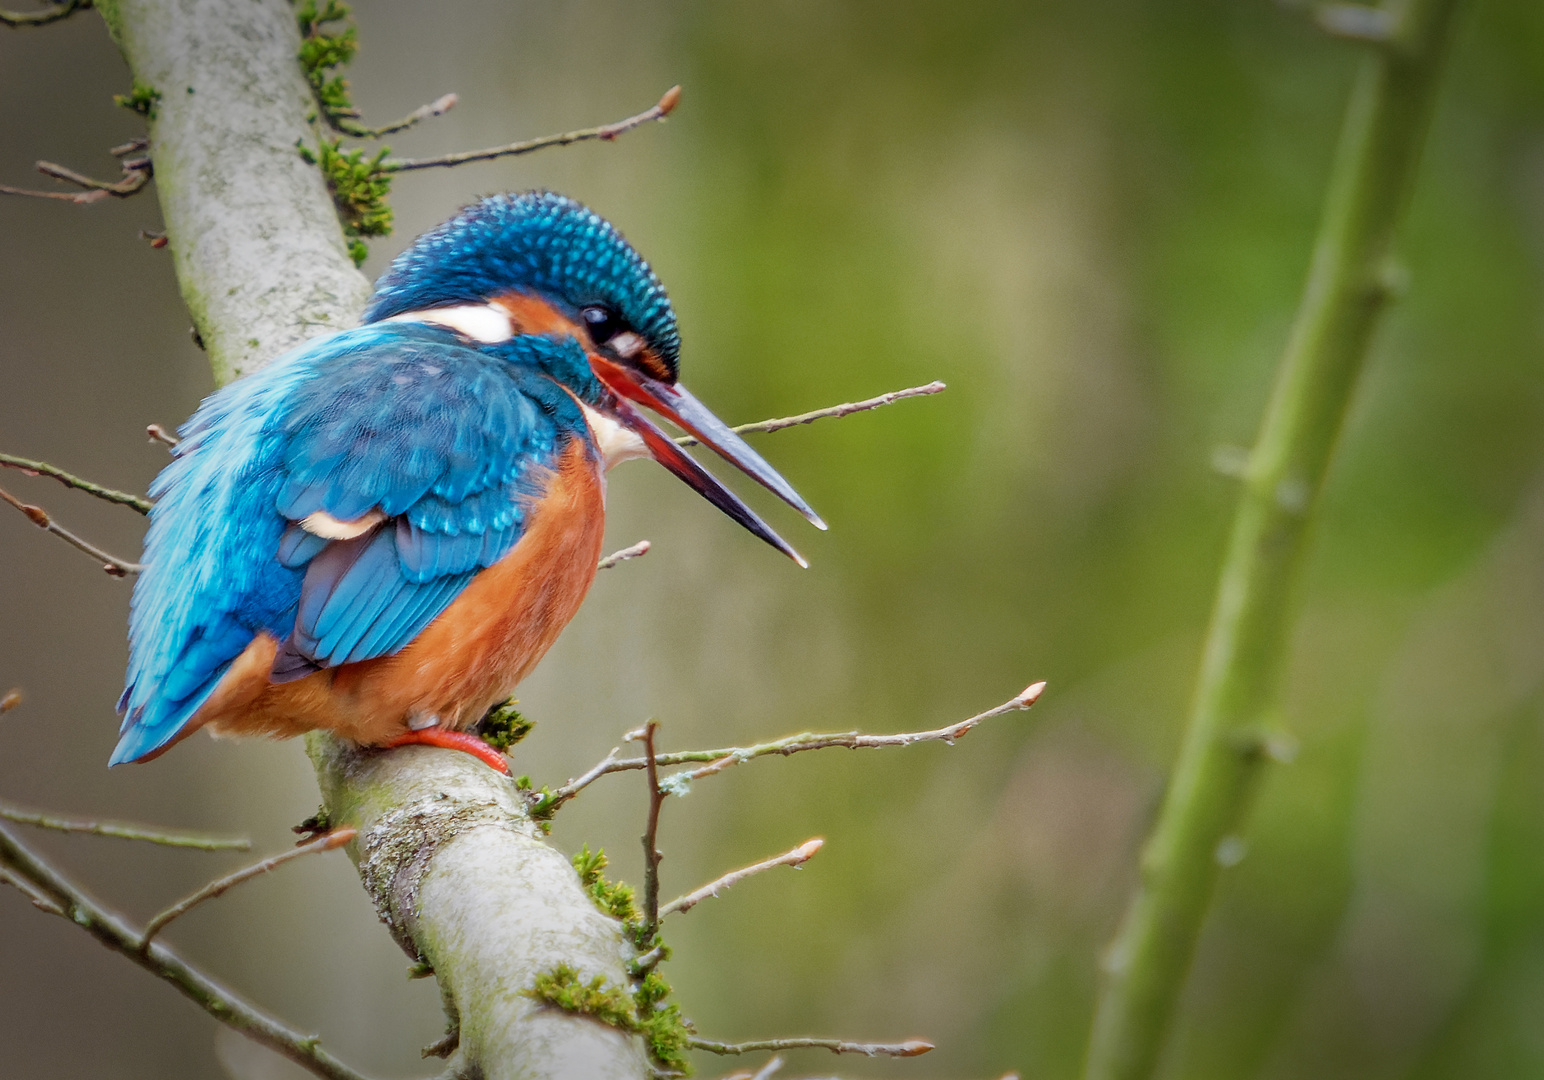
column 1225, row 741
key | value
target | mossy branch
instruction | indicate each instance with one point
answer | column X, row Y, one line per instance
column 1227, row 736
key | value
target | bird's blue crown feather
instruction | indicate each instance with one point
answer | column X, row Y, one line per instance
column 536, row 242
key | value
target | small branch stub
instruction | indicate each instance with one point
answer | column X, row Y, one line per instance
column 327, row 842
column 797, row 857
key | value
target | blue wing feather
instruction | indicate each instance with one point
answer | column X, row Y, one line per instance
column 450, row 442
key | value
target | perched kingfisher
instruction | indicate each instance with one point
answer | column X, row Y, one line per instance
column 381, row 533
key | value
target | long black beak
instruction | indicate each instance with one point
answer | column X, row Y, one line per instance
column 681, row 408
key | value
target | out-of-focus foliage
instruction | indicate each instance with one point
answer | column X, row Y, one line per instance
column 1092, row 220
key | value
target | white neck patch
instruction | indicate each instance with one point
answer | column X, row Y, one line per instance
column 617, row 443
column 483, row 323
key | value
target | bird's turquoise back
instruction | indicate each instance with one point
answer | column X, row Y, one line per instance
column 449, row 440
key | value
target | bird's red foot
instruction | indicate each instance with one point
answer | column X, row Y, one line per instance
column 452, row 740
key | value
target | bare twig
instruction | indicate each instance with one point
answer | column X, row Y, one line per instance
column 43, row 468
column 335, row 839
column 658, row 111
column 71, row 902
column 38, row 897
column 38, row 516
column 348, row 125
column 640, row 548
column 909, row 1048
column 797, row 857
column 51, row 14
column 835, row 410
column 121, row 831
column 651, row 855
column 136, row 174
column 62, row 196
column 718, row 760
column 159, row 434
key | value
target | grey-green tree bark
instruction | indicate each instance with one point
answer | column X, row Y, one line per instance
column 455, row 868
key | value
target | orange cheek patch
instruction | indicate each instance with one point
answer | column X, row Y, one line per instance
column 533, row 315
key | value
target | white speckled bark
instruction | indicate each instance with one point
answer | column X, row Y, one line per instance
column 458, row 872
column 464, row 880
column 260, row 257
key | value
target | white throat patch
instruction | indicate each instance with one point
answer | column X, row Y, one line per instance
column 617, row 443
column 484, row 323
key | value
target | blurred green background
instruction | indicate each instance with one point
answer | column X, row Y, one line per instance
column 1092, row 221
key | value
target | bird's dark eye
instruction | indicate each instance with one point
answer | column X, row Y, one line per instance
column 602, row 323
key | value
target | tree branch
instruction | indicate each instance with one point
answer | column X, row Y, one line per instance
column 464, row 881
column 136, row 174
column 326, row 842
column 633, row 552
column 348, row 125
column 48, row 15
column 719, row 760
column 651, row 855
column 122, row 832
column 797, row 857
column 51, row 891
column 658, row 111
column 43, row 468
column 833, row 411
column 38, row 516
column 909, row 1048
column 1226, row 738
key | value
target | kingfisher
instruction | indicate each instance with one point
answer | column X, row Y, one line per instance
column 381, row 533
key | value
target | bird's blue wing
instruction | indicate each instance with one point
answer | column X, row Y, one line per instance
column 448, row 443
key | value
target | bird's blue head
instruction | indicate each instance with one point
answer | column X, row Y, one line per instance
column 537, row 245
column 541, row 263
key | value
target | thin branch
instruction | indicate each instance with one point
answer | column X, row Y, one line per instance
column 797, row 857
column 640, row 548
column 122, row 832
column 835, row 410
column 43, row 468
column 909, row 1048
column 651, row 855
column 63, row 196
column 159, row 434
column 136, row 174
column 48, row 15
column 658, row 111
column 722, row 759
column 73, row 903
column 38, row 897
column 335, row 839
column 38, row 516
column 348, row 125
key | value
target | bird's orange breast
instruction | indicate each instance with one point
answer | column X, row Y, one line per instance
column 467, row 659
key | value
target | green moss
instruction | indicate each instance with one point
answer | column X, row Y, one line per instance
column 616, row 899
column 325, row 47
column 314, row 825
column 358, row 184
column 141, row 98
column 359, row 188
column 562, row 988
column 665, row 1032
column 503, row 726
